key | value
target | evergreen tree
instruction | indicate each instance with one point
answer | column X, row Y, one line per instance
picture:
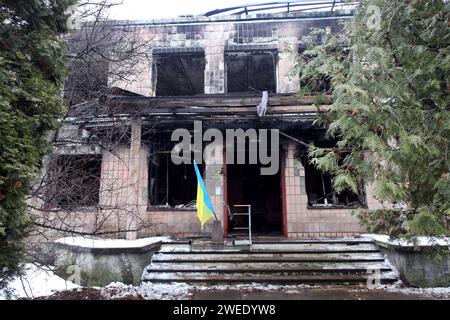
column 389, row 73
column 31, row 74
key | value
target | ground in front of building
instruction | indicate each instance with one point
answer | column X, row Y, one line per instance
column 118, row 291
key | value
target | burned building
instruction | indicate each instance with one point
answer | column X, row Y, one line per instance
column 229, row 72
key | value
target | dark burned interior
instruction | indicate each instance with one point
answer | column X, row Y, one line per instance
column 179, row 74
column 170, row 185
column 319, row 187
column 247, row 186
column 263, row 192
column 75, row 180
column 251, row 70
column 318, row 184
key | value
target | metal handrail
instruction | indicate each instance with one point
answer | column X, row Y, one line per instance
column 249, row 214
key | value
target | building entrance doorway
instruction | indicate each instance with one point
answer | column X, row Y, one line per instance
column 246, row 186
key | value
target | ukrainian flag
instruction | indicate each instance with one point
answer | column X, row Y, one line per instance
column 205, row 209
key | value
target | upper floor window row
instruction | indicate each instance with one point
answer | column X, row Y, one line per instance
column 185, row 73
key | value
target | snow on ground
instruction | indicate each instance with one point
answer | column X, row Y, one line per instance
column 180, row 291
column 419, row 241
column 46, row 283
column 443, row 292
column 165, row 291
column 92, row 242
column 35, row 282
column 154, row 291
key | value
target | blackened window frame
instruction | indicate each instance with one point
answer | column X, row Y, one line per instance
column 158, row 65
column 242, row 54
column 68, row 189
column 160, row 149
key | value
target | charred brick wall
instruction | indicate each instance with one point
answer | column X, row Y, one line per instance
column 216, row 37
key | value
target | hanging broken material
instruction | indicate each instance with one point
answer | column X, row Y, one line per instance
column 261, row 108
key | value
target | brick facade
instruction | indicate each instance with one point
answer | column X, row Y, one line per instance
column 124, row 204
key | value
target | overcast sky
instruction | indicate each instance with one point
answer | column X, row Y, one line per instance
column 156, row 9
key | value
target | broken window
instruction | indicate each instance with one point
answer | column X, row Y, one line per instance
column 251, row 71
column 318, row 184
column 321, row 193
column 179, row 74
column 75, row 180
column 170, row 185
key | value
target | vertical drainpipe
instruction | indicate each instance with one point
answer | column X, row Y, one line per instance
column 225, row 194
column 283, row 194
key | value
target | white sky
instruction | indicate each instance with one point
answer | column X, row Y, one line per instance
column 158, row 9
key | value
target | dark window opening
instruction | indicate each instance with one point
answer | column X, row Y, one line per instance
column 170, row 184
column 318, row 184
column 179, row 74
column 75, row 180
column 321, row 193
column 251, row 71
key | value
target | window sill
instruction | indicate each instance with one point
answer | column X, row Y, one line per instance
column 74, row 209
column 336, row 207
column 150, row 209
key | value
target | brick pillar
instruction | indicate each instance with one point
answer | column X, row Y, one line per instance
column 133, row 174
column 296, row 197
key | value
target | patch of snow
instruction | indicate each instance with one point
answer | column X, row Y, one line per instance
column 438, row 292
column 118, row 290
column 165, row 291
column 148, row 291
column 188, row 248
column 93, row 242
column 418, row 241
column 36, row 282
column 180, row 290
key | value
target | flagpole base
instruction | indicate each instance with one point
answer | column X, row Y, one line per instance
column 217, row 232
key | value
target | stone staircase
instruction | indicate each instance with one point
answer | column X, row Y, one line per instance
column 313, row 262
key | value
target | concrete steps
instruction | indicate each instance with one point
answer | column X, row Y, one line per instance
column 344, row 261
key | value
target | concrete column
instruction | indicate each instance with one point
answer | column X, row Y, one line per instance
column 214, row 60
column 288, row 80
column 133, row 174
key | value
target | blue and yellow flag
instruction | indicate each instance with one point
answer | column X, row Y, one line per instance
column 205, row 209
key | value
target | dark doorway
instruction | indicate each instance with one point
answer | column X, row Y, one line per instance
column 246, row 185
column 251, row 71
